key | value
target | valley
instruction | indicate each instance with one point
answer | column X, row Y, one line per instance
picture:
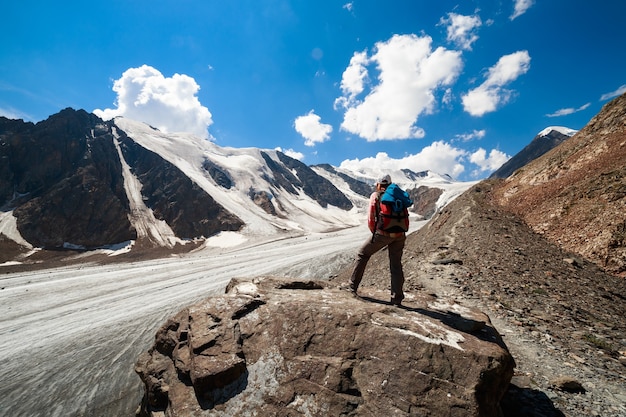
column 69, row 336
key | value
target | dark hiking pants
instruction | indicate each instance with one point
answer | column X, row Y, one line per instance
column 395, row 247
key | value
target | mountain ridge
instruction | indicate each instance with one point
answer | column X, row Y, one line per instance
column 90, row 184
column 575, row 193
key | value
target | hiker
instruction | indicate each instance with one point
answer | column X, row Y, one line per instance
column 393, row 238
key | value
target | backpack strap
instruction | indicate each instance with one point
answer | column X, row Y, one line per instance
column 380, row 193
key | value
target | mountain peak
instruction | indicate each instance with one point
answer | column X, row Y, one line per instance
column 560, row 129
column 548, row 138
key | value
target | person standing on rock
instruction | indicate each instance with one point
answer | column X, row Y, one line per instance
column 387, row 231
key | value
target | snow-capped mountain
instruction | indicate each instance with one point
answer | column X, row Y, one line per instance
column 74, row 181
column 548, row 138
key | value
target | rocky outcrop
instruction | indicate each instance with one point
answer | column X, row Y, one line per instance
column 263, row 199
column 313, row 185
column 303, row 348
column 219, row 175
column 425, row 200
column 65, row 186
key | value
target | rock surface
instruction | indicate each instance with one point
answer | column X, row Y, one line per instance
column 425, row 200
column 282, row 347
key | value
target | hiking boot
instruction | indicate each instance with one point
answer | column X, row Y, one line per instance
column 396, row 302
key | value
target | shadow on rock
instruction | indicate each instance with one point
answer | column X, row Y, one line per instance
column 527, row 402
column 210, row 399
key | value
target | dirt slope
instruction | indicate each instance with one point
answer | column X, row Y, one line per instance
column 575, row 195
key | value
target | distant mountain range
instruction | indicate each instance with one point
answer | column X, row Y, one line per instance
column 76, row 182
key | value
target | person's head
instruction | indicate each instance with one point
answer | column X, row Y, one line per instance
column 383, row 181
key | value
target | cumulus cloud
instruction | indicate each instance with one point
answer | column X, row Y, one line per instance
column 491, row 93
column 354, row 78
column 488, row 163
column 461, row 30
column 440, row 157
column 167, row 103
column 521, row 7
column 615, row 93
column 312, row 129
column 409, row 73
column 569, row 110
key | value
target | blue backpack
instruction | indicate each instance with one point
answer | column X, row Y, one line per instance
column 393, row 213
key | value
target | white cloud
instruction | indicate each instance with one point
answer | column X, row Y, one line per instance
column 169, row 104
column 461, row 29
column 291, row 153
column 348, row 6
column 490, row 94
column 440, row 157
column 312, row 129
column 569, row 110
column 521, row 6
column 615, row 93
column 409, row 72
column 354, row 78
column 475, row 134
column 488, row 163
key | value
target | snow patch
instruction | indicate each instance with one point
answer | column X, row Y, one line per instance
column 108, row 250
column 142, row 217
column 246, row 288
column 8, row 228
column 562, row 130
column 11, row 263
column 226, row 240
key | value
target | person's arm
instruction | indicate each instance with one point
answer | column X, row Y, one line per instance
column 372, row 215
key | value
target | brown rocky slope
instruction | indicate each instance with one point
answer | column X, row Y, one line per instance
column 575, row 195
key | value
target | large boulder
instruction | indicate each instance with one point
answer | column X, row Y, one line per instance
column 280, row 347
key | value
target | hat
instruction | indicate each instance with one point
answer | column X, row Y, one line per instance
column 384, row 180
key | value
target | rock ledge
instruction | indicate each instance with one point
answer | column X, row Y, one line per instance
column 285, row 347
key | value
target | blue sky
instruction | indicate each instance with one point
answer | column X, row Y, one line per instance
column 455, row 87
